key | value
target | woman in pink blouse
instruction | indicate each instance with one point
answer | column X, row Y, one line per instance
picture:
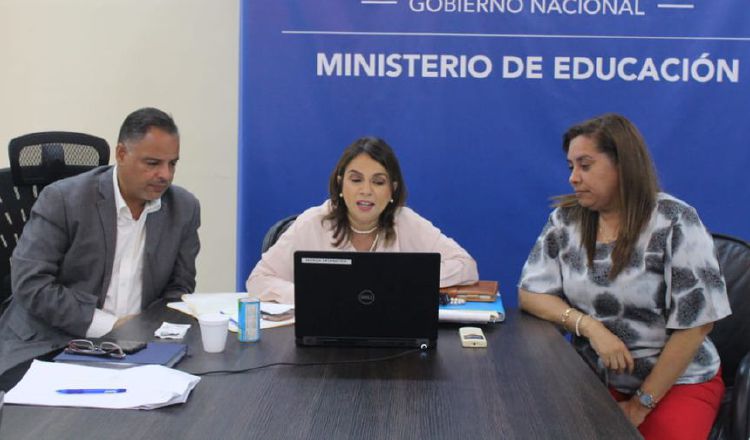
column 365, row 212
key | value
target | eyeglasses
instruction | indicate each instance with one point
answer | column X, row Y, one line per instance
column 84, row 346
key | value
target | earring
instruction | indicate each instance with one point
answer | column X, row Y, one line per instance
column 341, row 195
column 391, row 201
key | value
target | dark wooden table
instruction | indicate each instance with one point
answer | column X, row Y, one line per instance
column 528, row 384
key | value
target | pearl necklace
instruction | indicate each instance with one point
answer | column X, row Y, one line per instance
column 369, row 231
column 359, row 231
column 375, row 242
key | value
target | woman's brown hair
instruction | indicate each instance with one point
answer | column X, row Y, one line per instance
column 617, row 137
column 382, row 153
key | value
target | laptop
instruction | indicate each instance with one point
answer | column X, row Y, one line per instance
column 370, row 299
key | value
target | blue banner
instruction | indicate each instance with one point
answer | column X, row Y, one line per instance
column 474, row 95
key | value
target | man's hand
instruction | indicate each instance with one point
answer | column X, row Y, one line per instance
column 123, row 320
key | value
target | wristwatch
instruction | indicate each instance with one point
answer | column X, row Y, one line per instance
column 646, row 399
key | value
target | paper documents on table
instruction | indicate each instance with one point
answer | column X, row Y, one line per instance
column 147, row 387
column 473, row 312
column 195, row 304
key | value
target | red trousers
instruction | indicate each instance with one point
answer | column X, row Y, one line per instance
column 685, row 412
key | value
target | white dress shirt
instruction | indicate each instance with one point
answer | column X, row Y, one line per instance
column 126, row 285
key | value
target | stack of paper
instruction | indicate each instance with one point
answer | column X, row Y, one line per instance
column 195, row 304
column 200, row 303
column 146, row 387
column 473, row 312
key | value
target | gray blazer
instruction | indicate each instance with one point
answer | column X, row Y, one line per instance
column 62, row 265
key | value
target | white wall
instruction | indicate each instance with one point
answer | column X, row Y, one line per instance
column 83, row 65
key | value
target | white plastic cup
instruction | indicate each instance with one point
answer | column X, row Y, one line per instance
column 214, row 329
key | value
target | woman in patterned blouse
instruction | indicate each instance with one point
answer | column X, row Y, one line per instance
column 631, row 271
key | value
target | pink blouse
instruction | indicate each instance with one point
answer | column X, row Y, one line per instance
column 272, row 279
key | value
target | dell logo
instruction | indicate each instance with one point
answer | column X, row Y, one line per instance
column 366, row 297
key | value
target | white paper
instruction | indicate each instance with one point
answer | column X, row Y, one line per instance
column 148, row 386
column 233, row 313
column 274, row 308
column 169, row 330
column 196, row 303
column 200, row 303
column 469, row 316
column 181, row 307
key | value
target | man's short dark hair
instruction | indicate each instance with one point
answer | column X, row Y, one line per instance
column 136, row 125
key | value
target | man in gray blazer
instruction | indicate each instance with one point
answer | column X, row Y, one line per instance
column 101, row 246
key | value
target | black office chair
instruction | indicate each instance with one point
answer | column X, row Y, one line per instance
column 275, row 231
column 36, row 160
column 42, row 158
column 2, row 400
column 731, row 336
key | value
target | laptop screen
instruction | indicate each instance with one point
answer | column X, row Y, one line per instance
column 366, row 298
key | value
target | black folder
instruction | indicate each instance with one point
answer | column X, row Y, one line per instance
column 155, row 353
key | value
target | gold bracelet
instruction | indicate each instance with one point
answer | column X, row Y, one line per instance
column 565, row 315
column 578, row 324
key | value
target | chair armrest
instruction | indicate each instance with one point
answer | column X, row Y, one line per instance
column 740, row 406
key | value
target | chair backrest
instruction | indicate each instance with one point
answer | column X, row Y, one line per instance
column 36, row 160
column 42, row 158
column 731, row 335
column 275, row 231
column 15, row 207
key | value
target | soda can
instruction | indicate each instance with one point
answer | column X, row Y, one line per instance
column 249, row 320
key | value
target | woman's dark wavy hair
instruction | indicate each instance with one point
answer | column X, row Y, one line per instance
column 382, row 153
column 617, row 137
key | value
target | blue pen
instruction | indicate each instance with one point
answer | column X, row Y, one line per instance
column 92, row 390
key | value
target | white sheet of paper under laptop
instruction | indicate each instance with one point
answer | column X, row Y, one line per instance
column 147, row 387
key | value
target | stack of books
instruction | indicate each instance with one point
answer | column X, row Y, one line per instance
column 482, row 304
column 481, row 291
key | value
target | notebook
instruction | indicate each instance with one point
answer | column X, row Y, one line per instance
column 366, row 298
column 157, row 353
column 474, row 312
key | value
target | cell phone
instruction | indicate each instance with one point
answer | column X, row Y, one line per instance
column 472, row 337
column 130, row 347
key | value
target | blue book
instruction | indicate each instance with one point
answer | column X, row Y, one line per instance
column 473, row 312
column 155, row 353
